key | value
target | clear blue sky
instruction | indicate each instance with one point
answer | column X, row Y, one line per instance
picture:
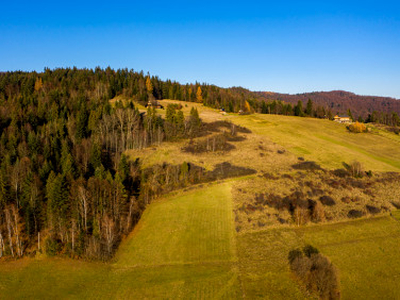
column 281, row 46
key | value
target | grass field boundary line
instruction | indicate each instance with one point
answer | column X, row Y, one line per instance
column 317, row 225
column 200, row 263
column 198, row 186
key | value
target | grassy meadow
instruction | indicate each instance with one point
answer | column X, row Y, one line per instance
column 327, row 142
column 365, row 251
column 183, row 247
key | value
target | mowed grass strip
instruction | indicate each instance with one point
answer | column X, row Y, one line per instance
column 73, row 279
column 264, row 270
column 198, row 281
column 193, row 227
column 366, row 252
column 54, row 278
column 327, row 142
column 183, row 248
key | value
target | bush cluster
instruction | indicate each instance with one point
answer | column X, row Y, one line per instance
column 315, row 271
column 357, row 127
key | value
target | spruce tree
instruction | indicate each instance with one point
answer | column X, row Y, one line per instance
column 309, row 108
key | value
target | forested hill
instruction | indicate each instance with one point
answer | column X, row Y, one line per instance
column 66, row 185
column 108, row 83
column 340, row 101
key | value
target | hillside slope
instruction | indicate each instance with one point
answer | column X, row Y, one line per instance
column 340, row 101
column 187, row 246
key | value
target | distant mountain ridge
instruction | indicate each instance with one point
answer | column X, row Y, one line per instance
column 340, row 101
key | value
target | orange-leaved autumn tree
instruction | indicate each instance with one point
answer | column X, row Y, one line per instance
column 357, row 127
column 38, row 84
column 149, row 85
column 199, row 95
column 247, row 107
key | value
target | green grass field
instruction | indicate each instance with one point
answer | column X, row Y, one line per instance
column 192, row 228
column 183, row 247
column 327, row 142
column 366, row 253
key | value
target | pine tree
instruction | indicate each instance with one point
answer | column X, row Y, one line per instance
column 170, row 114
column 67, row 160
column 180, row 123
column 350, row 114
column 309, row 108
column 95, row 156
column 298, row 109
column 81, row 123
column 123, row 168
column 194, row 122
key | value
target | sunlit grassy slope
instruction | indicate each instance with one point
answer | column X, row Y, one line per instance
column 327, row 142
column 185, row 247
column 366, row 253
column 191, row 228
column 324, row 141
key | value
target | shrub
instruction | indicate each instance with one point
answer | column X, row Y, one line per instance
column 340, row 173
column 355, row 169
column 373, row 210
column 310, row 250
column 355, row 214
column 357, row 127
column 307, row 165
column 294, row 254
column 315, row 271
column 368, row 173
column 327, row 200
column 318, row 214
